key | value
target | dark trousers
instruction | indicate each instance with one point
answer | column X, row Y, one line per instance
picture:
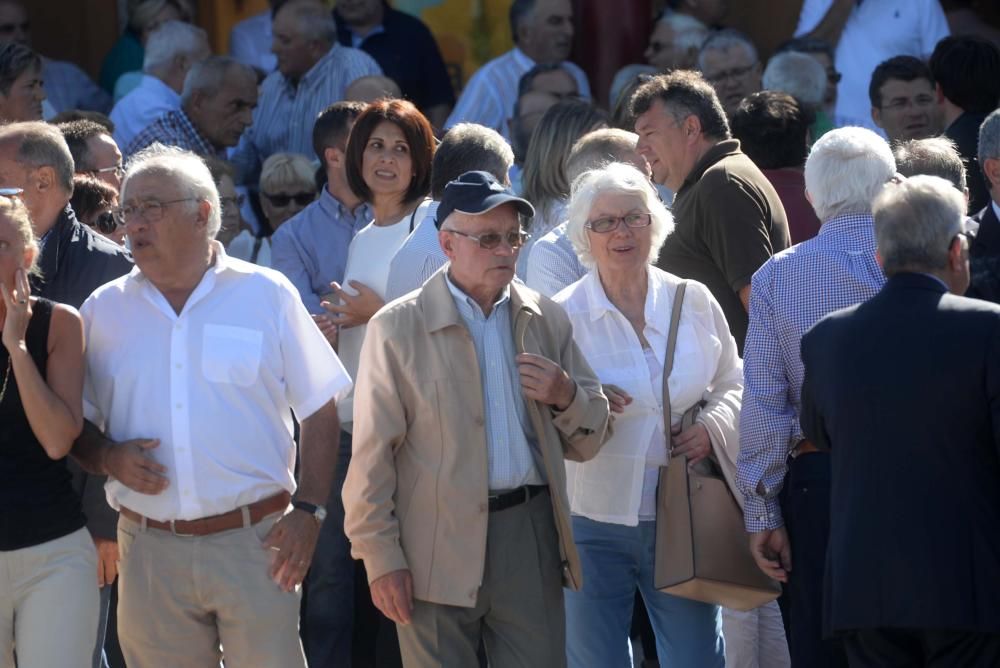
column 806, row 508
column 327, row 620
column 929, row 648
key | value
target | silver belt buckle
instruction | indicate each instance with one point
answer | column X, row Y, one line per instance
column 173, row 530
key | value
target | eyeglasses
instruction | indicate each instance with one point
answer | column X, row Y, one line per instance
column 151, row 211
column 735, row 73
column 233, row 201
column 491, row 240
column 281, row 200
column 106, row 223
column 118, row 169
column 611, row 223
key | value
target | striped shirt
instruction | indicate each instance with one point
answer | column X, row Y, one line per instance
column 788, row 295
column 173, row 128
column 418, row 259
column 68, row 87
column 489, row 97
column 286, row 112
column 510, row 438
column 553, row 264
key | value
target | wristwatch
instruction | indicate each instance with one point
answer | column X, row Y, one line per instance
column 318, row 512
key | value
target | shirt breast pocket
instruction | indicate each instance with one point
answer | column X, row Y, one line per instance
column 231, row 355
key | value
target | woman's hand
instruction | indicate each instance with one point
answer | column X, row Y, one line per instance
column 618, row 398
column 18, row 303
column 356, row 309
column 693, row 442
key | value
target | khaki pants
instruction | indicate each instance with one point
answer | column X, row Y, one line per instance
column 48, row 603
column 185, row 602
column 519, row 611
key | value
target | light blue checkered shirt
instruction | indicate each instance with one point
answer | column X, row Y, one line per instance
column 510, row 438
column 788, row 295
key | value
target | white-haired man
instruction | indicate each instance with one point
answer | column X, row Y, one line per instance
column 730, row 63
column 196, row 362
column 171, row 51
column 845, row 171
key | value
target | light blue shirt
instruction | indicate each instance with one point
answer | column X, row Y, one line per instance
column 553, row 263
column 286, row 113
column 136, row 111
column 418, row 259
column 250, row 42
column 510, row 438
column 69, row 87
column 311, row 248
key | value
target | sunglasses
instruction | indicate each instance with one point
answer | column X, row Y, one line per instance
column 106, row 223
column 281, row 200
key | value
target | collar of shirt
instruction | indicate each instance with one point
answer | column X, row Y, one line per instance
column 357, row 40
column 851, row 231
column 723, row 149
column 221, row 264
column 937, row 279
column 150, row 85
column 315, row 74
column 522, row 59
column 468, row 306
column 333, row 208
column 996, row 209
column 655, row 312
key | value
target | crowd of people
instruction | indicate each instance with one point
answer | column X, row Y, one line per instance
column 313, row 362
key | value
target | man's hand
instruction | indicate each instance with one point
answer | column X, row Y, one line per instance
column 772, row 552
column 353, row 310
column 107, row 560
column 130, row 464
column 328, row 328
column 618, row 398
column 543, row 380
column 693, row 442
column 393, row 595
column 293, row 538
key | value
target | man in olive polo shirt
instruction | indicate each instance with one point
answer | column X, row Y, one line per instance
column 728, row 218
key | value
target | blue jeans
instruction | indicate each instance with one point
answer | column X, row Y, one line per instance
column 328, row 606
column 616, row 560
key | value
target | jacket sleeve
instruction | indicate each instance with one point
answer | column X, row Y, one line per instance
column 369, row 493
column 585, row 425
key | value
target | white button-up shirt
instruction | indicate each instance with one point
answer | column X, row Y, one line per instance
column 608, row 488
column 216, row 384
column 144, row 104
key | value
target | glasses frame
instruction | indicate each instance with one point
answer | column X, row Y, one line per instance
column 119, row 170
column 523, row 238
column 733, row 73
column 123, row 213
column 618, row 221
column 297, row 198
column 101, row 225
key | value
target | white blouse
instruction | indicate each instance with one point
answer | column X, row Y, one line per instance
column 707, row 366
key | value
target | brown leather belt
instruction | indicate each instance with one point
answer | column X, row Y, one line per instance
column 205, row 526
column 804, row 447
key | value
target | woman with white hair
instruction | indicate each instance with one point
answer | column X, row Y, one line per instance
column 621, row 313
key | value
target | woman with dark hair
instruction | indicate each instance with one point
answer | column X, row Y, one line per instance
column 49, row 596
column 92, row 202
column 389, row 157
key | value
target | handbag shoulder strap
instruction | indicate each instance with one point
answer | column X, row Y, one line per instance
column 668, row 359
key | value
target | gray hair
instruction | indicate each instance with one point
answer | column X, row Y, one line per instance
column 314, row 22
column 599, row 148
column 934, row 156
column 183, row 168
column 845, row 171
column 724, row 40
column 989, row 139
column 41, row 145
column 616, row 177
column 798, row 74
column 467, row 147
column 210, row 75
column 690, row 32
column 915, row 223
column 170, row 40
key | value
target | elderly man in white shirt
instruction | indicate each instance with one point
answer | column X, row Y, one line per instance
column 543, row 34
column 171, row 51
column 195, row 364
column 620, row 312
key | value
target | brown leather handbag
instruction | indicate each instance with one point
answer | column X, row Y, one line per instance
column 702, row 549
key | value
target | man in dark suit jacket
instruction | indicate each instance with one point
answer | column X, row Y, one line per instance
column 984, row 251
column 905, row 391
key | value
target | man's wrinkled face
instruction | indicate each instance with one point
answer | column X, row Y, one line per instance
column 227, row 112
column 734, row 73
column 295, row 53
column 478, row 270
column 546, row 34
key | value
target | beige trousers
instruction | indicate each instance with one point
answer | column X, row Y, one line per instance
column 48, row 603
column 519, row 612
column 187, row 602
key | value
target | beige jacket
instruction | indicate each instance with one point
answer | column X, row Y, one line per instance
column 416, row 490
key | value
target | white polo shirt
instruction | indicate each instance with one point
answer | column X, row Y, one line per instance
column 876, row 31
column 216, row 383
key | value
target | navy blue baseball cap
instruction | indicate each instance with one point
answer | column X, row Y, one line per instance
column 475, row 193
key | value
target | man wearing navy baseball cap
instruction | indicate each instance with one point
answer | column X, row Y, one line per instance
column 470, row 393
